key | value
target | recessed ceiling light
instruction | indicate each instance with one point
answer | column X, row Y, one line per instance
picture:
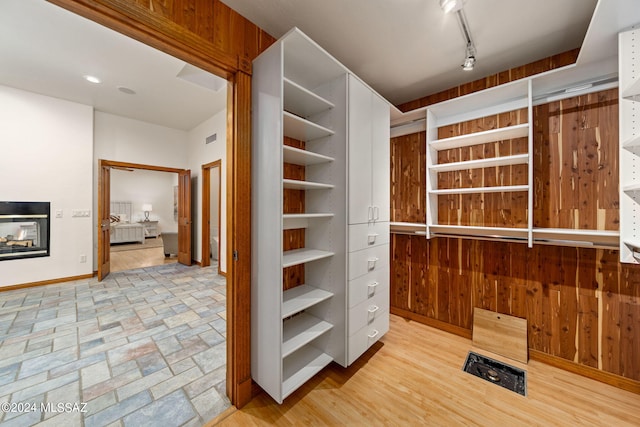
column 92, row 79
column 126, row 90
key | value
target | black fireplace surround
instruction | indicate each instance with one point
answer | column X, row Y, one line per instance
column 24, row 230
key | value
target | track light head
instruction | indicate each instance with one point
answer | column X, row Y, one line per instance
column 451, row 5
column 469, row 63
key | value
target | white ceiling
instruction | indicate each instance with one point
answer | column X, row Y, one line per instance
column 406, row 49
column 46, row 49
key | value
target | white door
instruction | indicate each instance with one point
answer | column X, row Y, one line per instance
column 380, row 161
column 359, row 152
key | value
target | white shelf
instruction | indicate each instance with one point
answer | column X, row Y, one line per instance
column 300, row 366
column 301, row 101
column 491, row 232
column 575, row 237
column 632, row 143
column 518, row 131
column 507, row 97
column 295, row 221
column 300, row 256
column 632, row 92
column 408, row 228
column 301, row 297
column 632, row 243
column 301, row 157
column 301, row 330
column 500, row 189
column 631, row 188
column 517, row 159
column 292, row 184
column 302, row 129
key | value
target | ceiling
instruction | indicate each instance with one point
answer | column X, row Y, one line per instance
column 406, row 49
column 47, row 50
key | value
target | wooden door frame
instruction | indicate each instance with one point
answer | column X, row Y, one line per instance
column 206, row 212
column 129, row 18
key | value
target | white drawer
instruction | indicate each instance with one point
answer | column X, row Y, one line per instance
column 368, row 260
column 367, row 312
column 362, row 236
column 366, row 337
column 367, row 286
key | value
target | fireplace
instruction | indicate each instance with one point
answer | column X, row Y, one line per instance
column 24, row 230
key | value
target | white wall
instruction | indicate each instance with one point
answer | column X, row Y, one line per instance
column 200, row 154
column 47, row 155
column 143, row 186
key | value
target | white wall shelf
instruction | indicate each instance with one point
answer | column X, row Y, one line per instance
column 302, row 256
column 301, row 330
column 300, row 366
column 497, row 189
column 632, row 188
column 504, row 98
column 301, row 101
column 301, row 157
column 302, row 297
column 501, row 134
column 302, row 129
column 632, row 92
column 516, row 159
column 632, row 143
column 293, row 184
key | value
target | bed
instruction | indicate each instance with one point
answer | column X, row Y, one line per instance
column 122, row 230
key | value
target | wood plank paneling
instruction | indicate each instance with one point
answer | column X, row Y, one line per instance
column 294, row 202
column 576, row 163
column 408, row 178
column 546, row 64
column 581, row 305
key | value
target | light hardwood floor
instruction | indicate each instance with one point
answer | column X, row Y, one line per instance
column 414, row 376
column 138, row 258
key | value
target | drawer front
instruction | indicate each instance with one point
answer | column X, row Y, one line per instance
column 367, row 286
column 362, row 236
column 368, row 260
column 366, row 337
column 367, row 312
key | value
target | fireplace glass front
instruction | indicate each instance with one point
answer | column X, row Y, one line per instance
column 24, row 230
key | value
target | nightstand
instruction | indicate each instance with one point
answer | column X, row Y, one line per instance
column 150, row 228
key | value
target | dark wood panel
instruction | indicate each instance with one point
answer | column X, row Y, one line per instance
column 294, row 202
column 408, row 178
column 576, row 162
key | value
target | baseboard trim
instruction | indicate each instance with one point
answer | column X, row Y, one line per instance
column 617, row 381
column 614, row 380
column 222, row 273
column 456, row 330
column 45, row 282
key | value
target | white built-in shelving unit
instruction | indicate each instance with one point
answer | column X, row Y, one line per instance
column 500, row 99
column 301, row 92
column 629, row 110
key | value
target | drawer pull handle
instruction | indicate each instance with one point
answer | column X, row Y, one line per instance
column 370, row 213
column 372, row 238
column 373, row 309
column 374, row 334
column 372, row 263
column 376, row 213
column 372, row 286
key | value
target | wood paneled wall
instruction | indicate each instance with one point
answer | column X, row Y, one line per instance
column 582, row 305
column 536, row 67
column 293, row 202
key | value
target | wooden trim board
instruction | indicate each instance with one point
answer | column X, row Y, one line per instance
column 501, row 334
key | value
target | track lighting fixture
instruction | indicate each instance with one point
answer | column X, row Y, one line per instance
column 451, row 5
column 470, row 59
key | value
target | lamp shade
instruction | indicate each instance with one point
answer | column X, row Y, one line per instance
column 147, row 207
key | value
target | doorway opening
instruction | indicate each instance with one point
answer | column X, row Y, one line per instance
column 212, row 233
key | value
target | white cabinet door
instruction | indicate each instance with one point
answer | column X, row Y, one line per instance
column 360, row 98
column 380, row 160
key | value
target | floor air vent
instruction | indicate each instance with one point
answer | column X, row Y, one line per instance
column 506, row 376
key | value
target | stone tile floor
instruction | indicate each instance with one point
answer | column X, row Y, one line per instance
column 145, row 347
